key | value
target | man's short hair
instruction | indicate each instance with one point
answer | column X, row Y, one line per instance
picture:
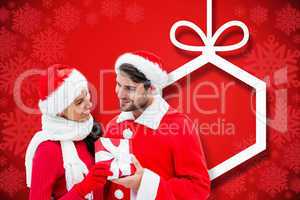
column 135, row 75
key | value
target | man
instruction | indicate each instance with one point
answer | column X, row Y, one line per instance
column 168, row 155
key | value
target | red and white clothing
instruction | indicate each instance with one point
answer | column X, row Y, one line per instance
column 48, row 174
column 169, row 149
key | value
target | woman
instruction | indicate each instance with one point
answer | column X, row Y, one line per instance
column 59, row 159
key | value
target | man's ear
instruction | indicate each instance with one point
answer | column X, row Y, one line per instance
column 151, row 89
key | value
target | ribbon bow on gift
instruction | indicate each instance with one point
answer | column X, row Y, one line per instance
column 120, row 155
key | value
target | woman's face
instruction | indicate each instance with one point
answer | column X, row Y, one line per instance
column 80, row 108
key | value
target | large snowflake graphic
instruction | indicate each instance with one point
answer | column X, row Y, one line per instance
column 11, row 69
column 66, row 17
column 134, row 13
column 48, row 46
column 26, row 20
column 111, row 8
column 258, row 15
column 271, row 56
column 11, row 180
column 273, row 179
column 18, row 128
column 288, row 19
column 8, row 41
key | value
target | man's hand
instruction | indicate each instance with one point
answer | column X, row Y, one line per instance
column 133, row 181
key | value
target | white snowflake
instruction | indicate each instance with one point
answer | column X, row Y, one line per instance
column 66, row 17
column 258, row 15
column 17, row 130
column 48, row 46
column 111, row 8
column 134, row 13
column 26, row 20
column 288, row 19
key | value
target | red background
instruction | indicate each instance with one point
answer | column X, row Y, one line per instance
column 91, row 34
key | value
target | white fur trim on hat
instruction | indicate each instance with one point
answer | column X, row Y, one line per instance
column 65, row 94
column 152, row 71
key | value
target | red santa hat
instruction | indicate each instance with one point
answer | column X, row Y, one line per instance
column 59, row 87
column 147, row 63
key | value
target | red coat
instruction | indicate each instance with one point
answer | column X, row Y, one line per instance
column 168, row 148
column 48, row 174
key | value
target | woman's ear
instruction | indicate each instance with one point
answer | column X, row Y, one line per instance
column 62, row 114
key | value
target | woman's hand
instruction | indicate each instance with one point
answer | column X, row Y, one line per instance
column 96, row 177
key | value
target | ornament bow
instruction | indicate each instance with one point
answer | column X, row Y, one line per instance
column 209, row 40
column 120, row 156
column 209, row 49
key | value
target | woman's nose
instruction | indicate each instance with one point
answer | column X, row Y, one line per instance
column 88, row 104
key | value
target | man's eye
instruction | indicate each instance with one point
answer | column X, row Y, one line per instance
column 131, row 89
column 78, row 102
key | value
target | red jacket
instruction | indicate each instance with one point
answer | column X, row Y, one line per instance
column 169, row 149
column 48, row 174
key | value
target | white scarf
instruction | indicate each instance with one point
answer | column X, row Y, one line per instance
column 56, row 128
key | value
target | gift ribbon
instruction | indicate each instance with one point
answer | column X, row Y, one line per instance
column 120, row 155
column 209, row 49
